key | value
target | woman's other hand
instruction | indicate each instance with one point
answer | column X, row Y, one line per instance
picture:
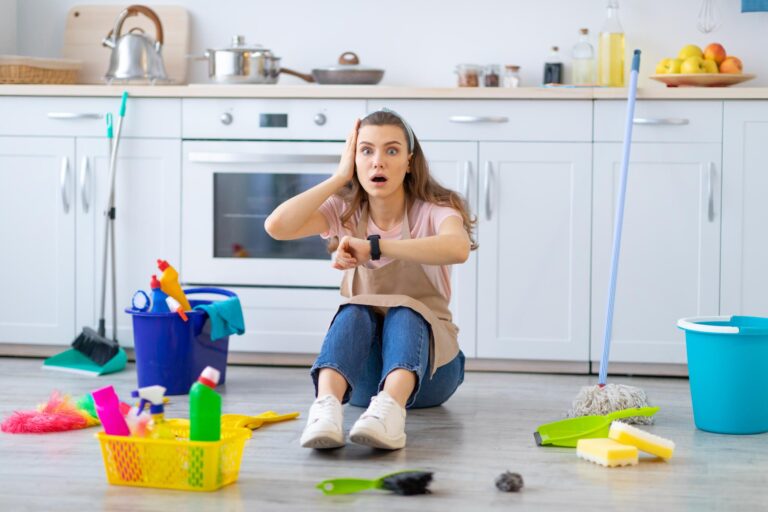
column 347, row 163
column 351, row 253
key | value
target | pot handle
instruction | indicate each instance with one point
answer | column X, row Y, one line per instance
column 349, row 58
column 134, row 10
column 303, row 76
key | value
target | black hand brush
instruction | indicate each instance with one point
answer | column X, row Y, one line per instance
column 96, row 346
column 405, row 483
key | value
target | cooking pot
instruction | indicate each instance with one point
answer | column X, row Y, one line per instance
column 134, row 54
column 348, row 71
column 244, row 64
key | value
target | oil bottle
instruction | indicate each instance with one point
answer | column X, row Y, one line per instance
column 610, row 49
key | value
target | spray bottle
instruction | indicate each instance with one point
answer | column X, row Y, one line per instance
column 158, row 297
column 153, row 396
column 205, row 407
column 169, row 283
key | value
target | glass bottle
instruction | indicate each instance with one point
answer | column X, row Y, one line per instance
column 469, row 75
column 511, row 76
column 491, row 76
column 583, row 60
column 610, row 50
column 553, row 67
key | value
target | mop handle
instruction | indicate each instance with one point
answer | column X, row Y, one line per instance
column 619, row 220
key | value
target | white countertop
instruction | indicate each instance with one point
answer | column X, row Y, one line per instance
column 375, row 91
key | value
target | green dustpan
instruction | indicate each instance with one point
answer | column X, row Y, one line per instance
column 568, row 432
column 76, row 362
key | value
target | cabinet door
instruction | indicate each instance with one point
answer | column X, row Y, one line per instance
column 147, row 222
column 533, row 260
column 37, row 262
column 745, row 209
column 670, row 247
column 454, row 165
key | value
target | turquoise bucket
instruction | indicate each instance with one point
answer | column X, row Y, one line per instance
column 728, row 372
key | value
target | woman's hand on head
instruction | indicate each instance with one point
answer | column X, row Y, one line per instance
column 346, row 168
column 351, row 253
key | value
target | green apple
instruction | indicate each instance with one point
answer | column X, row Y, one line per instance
column 690, row 50
column 668, row 66
column 710, row 66
column 692, row 65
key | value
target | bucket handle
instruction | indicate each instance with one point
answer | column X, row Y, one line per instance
column 215, row 291
column 692, row 324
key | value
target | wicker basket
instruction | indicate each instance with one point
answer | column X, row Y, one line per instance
column 32, row 70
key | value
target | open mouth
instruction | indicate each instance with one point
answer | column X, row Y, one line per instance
column 379, row 179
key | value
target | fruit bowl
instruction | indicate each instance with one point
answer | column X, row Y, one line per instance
column 702, row 79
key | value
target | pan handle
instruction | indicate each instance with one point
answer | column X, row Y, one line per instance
column 303, row 76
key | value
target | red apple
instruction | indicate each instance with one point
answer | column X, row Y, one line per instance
column 715, row 52
column 731, row 65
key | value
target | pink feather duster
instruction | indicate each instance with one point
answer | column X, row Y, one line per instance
column 57, row 415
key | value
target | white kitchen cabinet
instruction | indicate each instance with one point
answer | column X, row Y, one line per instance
column 37, row 226
column 744, row 287
column 147, row 222
column 533, row 260
column 670, row 254
column 454, row 165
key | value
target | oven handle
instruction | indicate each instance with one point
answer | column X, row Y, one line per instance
column 259, row 158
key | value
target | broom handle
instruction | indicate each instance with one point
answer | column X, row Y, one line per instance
column 101, row 329
column 619, row 220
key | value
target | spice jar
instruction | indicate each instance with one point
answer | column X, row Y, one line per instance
column 511, row 76
column 469, row 75
column 491, row 76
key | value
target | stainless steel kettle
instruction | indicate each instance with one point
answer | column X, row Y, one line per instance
column 135, row 56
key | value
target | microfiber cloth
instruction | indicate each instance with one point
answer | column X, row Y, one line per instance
column 754, row 5
column 226, row 317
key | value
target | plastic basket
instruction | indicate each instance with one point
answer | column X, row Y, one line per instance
column 174, row 463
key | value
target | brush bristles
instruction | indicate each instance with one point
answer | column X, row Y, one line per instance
column 408, row 484
column 97, row 348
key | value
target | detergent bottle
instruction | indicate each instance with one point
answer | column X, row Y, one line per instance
column 158, row 297
column 108, row 409
column 205, row 407
column 169, row 283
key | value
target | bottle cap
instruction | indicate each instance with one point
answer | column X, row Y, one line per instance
column 554, row 49
column 154, row 283
column 512, row 67
column 210, row 376
column 162, row 264
column 584, row 31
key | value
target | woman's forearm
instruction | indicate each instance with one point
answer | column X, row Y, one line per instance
column 293, row 214
column 432, row 250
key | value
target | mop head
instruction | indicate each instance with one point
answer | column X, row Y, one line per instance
column 59, row 414
column 594, row 400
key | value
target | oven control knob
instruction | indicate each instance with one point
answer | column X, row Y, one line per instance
column 226, row 118
column 320, row 119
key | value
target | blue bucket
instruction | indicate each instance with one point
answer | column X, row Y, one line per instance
column 171, row 352
column 728, row 372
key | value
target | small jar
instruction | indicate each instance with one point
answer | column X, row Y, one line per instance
column 491, row 76
column 469, row 75
column 511, row 76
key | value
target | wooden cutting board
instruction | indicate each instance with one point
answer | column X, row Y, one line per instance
column 87, row 25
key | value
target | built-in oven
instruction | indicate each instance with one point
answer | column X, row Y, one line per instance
column 241, row 159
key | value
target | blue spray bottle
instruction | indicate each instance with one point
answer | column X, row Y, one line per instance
column 158, row 297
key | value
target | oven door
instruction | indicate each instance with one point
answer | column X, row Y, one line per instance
column 228, row 190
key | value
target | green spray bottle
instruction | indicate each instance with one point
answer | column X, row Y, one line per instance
column 205, row 407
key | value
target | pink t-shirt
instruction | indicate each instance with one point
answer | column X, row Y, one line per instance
column 425, row 220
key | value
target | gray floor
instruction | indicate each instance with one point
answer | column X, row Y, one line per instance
column 483, row 430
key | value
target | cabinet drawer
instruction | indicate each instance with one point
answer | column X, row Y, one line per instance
column 660, row 121
column 497, row 120
column 84, row 117
column 270, row 119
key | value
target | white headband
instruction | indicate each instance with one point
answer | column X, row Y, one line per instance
column 407, row 126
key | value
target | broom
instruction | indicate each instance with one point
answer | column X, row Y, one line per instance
column 606, row 398
column 93, row 343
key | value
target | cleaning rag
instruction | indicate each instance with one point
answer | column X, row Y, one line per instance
column 226, row 317
column 754, row 5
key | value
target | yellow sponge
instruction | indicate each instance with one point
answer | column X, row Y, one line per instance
column 606, row 452
column 643, row 440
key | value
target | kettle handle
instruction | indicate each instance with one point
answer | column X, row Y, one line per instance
column 134, row 10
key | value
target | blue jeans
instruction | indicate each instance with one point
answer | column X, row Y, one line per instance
column 365, row 347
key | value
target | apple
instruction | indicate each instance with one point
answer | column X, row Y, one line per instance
column 690, row 50
column 710, row 66
column 731, row 65
column 715, row 52
column 692, row 65
column 668, row 66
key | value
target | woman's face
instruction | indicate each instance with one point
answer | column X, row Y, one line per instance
column 382, row 159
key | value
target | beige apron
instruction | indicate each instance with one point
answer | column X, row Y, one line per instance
column 404, row 283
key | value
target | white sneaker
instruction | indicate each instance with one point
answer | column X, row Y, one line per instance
column 324, row 424
column 382, row 425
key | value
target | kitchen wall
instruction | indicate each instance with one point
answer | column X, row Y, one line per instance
column 419, row 42
column 8, row 18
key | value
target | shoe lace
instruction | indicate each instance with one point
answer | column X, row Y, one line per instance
column 379, row 408
column 323, row 409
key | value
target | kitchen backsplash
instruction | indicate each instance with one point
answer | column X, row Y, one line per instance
column 420, row 42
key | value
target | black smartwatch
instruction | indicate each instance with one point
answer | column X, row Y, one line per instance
column 375, row 249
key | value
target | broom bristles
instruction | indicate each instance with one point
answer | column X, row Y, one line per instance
column 596, row 400
column 97, row 348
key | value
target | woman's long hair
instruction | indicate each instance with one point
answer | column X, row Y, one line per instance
column 419, row 184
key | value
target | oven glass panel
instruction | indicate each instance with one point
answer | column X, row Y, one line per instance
column 241, row 204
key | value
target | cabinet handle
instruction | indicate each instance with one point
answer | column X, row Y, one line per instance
column 467, row 177
column 64, row 179
column 63, row 116
column 660, row 121
column 478, row 119
column 711, row 192
column 85, row 172
column 255, row 158
column 487, row 192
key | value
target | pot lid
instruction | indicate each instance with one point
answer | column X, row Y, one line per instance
column 239, row 45
column 348, row 61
